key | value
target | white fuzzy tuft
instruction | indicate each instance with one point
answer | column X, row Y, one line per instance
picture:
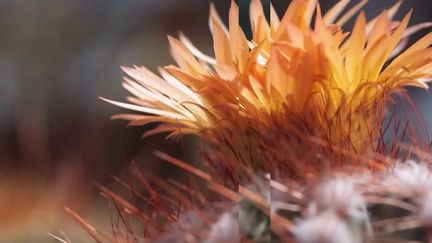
column 225, row 230
column 342, row 196
column 324, row 228
column 412, row 177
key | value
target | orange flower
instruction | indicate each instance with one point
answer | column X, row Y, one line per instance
column 336, row 82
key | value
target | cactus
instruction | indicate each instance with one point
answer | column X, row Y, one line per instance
column 298, row 141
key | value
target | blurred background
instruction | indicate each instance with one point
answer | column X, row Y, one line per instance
column 56, row 58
